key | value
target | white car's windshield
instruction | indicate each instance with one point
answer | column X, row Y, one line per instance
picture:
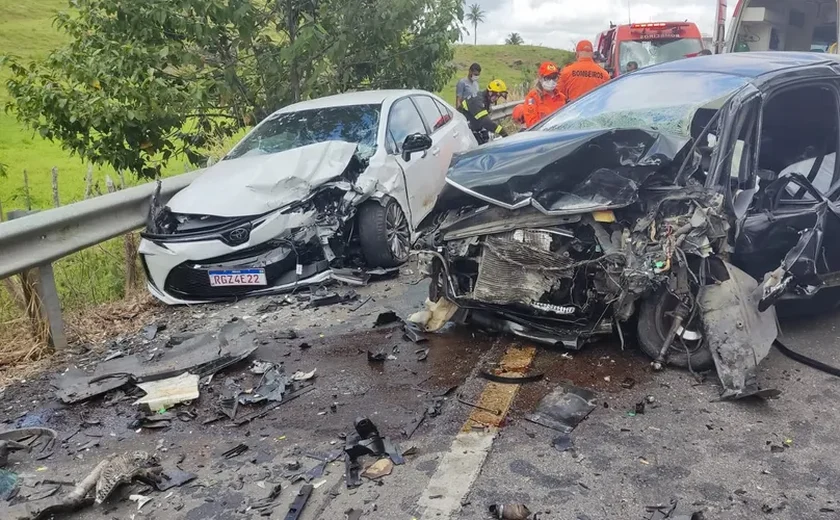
column 281, row 132
column 660, row 50
column 660, row 101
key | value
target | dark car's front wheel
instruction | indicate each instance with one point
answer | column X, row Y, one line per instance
column 656, row 315
column 384, row 233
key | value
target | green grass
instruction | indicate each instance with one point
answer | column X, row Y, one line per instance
column 95, row 275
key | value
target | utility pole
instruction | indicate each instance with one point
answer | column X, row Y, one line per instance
column 630, row 18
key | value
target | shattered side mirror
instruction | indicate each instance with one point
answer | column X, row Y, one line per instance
column 415, row 143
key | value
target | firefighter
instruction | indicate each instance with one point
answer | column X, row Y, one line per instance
column 546, row 97
column 583, row 75
column 477, row 111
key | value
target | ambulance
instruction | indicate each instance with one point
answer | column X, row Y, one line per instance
column 782, row 25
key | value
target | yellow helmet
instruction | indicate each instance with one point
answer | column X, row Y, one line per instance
column 497, row 86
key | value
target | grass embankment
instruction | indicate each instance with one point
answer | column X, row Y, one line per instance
column 96, row 275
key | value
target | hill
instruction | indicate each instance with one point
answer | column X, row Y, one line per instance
column 516, row 65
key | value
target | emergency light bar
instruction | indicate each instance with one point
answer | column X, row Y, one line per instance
column 647, row 25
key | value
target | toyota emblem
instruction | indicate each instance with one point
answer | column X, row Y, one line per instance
column 238, row 235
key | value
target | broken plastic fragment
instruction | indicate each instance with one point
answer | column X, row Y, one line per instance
column 169, row 392
column 140, row 499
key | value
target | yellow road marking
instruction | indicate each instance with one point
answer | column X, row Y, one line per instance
column 498, row 396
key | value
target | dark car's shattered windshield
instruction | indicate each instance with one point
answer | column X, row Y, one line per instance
column 356, row 124
column 565, row 173
column 663, row 102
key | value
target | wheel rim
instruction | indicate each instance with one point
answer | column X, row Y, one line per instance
column 692, row 336
column 396, row 229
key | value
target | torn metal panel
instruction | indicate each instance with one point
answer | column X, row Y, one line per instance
column 738, row 335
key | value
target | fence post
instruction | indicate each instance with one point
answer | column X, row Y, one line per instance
column 42, row 301
column 26, row 191
column 56, row 202
column 88, row 181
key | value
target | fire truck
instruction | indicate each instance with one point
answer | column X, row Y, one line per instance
column 780, row 25
column 647, row 44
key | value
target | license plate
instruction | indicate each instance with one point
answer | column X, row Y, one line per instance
column 234, row 277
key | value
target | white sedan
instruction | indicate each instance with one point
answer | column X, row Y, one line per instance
column 316, row 188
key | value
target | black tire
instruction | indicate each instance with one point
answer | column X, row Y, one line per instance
column 654, row 324
column 384, row 234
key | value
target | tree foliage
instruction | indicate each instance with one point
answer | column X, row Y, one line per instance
column 142, row 82
column 514, row 39
column 475, row 16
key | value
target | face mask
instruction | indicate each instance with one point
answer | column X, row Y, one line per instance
column 549, row 84
column 474, row 78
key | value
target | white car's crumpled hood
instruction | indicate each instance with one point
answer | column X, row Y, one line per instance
column 259, row 184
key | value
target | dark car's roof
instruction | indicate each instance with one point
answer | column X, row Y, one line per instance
column 748, row 64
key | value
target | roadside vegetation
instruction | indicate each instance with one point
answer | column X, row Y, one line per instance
column 205, row 107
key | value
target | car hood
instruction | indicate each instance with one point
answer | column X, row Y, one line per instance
column 564, row 172
column 259, row 184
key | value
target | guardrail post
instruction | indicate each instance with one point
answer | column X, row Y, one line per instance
column 46, row 305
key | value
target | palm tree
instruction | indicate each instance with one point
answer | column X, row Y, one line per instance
column 475, row 16
column 514, row 39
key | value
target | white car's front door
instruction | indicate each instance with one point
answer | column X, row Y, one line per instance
column 421, row 168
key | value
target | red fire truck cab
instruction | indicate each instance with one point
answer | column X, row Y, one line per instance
column 647, row 44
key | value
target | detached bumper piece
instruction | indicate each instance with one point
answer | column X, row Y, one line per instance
column 190, row 280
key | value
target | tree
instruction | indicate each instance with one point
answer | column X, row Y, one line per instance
column 514, row 39
column 142, row 82
column 475, row 16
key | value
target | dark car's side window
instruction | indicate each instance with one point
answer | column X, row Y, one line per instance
column 433, row 116
column 403, row 121
column 800, row 134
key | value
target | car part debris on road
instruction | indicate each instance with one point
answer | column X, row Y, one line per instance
column 564, row 408
column 510, row 511
column 300, row 502
column 202, row 355
column 39, row 443
column 365, row 440
column 166, row 393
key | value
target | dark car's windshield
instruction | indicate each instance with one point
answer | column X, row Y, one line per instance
column 660, row 50
column 281, row 132
column 660, row 101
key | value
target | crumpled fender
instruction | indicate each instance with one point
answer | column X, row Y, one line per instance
column 738, row 335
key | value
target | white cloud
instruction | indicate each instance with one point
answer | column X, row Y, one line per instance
column 560, row 23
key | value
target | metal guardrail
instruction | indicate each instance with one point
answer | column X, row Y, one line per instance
column 36, row 240
column 46, row 236
column 504, row 110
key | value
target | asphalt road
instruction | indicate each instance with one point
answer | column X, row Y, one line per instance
column 715, row 457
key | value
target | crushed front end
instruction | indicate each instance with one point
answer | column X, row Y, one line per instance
column 550, row 249
column 308, row 238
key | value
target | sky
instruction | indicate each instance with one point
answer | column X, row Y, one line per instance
column 559, row 23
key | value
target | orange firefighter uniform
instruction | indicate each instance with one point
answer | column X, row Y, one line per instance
column 519, row 114
column 542, row 101
column 583, row 75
